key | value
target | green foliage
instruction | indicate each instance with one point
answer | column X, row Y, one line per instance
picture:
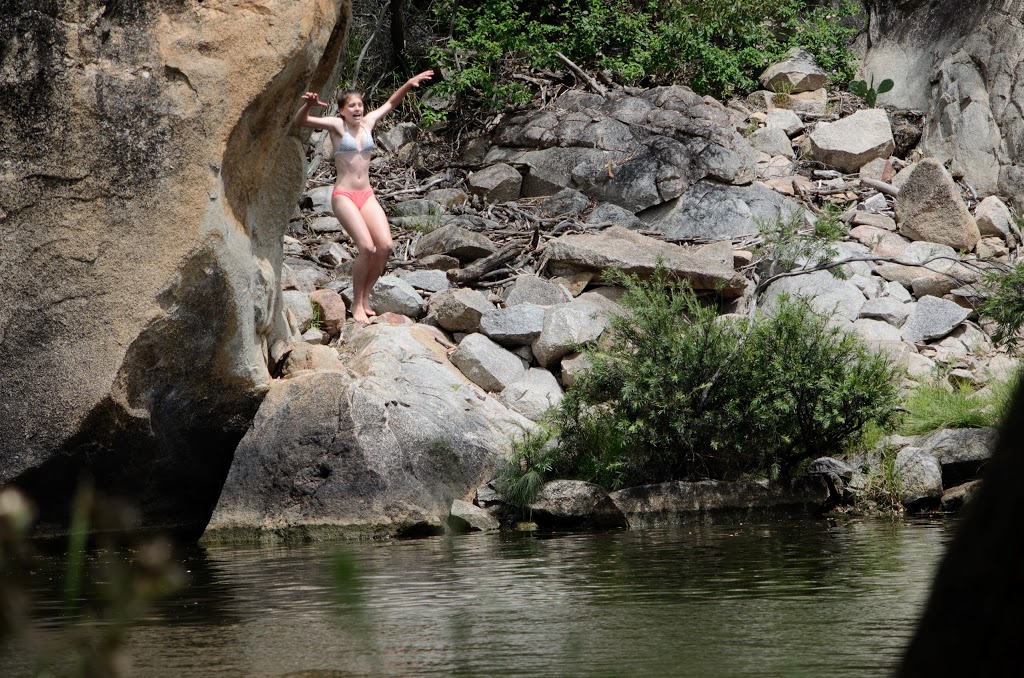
column 683, row 393
column 936, row 405
column 527, row 468
column 718, row 46
column 884, row 485
column 788, row 241
column 1004, row 303
column 868, row 92
column 317, row 320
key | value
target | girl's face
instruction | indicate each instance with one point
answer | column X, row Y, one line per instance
column 352, row 109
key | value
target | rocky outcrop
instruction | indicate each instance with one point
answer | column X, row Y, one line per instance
column 149, row 169
column 382, row 449
column 957, row 62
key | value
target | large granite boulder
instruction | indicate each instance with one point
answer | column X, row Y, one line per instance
column 714, row 211
column 707, row 268
column 150, row 169
column 631, row 151
column 929, row 208
column 383, row 450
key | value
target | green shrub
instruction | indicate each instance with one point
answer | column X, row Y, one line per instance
column 1004, row 303
column 718, row 46
column 680, row 393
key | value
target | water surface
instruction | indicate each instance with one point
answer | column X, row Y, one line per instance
column 801, row 598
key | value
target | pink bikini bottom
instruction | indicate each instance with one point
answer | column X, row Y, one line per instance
column 358, row 198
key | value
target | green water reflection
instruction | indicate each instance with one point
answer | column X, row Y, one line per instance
column 802, row 598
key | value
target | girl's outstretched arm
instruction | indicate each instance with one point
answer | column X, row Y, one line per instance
column 373, row 116
column 302, row 117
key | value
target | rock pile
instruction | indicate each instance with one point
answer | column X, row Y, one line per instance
column 503, row 267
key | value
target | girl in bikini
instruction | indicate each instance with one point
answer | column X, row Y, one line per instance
column 352, row 200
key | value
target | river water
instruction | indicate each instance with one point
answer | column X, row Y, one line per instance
column 793, row 598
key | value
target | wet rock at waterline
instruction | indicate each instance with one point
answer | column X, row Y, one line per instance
column 382, row 449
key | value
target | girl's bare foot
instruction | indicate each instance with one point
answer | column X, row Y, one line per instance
column 360, row 315
column 367, row 308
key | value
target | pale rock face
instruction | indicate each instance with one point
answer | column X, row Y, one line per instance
column 957, row 62
column 158, row 236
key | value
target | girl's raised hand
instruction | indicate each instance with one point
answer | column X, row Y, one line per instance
column 312, row 99
column 422, row 77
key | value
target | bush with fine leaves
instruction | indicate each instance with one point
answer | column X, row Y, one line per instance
column 682, row 393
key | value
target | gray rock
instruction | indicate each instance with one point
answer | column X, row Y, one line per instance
column 567, row 202
column 786, row 120
column 993, row 218
column 852, row 142
column 573, row 365
column 318, row 200
column 608, row 213
column 830, row 465
column 459, row 310
column 402, row 134
column 447, row 197
column 532, row 289
column 877, row 330
column 960, row 496
column 516, row 325
column 797, row 73
column 962, row 453
column 533, row 394
column 688, row 502
column 306, row 357
column 942, row 259
column 920, row 476
column 933, row 318
column 486, row 364
column 381, row 453
column 465, row 518
column 332, row 254
column 417, row 207
column 427, row 280
column 707, row 268
column 773, row 141
column 394, row 295
column 887, row 309
column 898, row 292
column 325, row 225
column 574, row 504
column 715, row 211
column 298, row 303
column 826, row 293
column 497, row 183
column 454, row 241
column 566, row 327
column 929, row 207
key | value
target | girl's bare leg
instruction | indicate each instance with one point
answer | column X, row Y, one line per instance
column 352, row 221
column 380, row 232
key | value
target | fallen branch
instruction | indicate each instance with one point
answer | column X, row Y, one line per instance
column 472, row 273
column 881, row 187
column 593, row 84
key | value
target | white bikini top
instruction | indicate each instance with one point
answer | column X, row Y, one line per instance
column 348, row 143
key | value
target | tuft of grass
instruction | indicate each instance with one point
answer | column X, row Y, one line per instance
column 934, row 406
column 527, row 468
